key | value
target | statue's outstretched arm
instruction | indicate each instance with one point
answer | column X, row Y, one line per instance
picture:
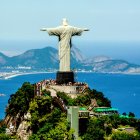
column 85, row 29
column 43, row 29
column 52, row 31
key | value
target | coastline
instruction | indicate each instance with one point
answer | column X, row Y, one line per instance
column 12, row 75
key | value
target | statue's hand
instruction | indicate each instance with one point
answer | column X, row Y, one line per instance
column 85, row 29
column 43, row 29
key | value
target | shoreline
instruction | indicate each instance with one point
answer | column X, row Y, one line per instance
column 12, row 75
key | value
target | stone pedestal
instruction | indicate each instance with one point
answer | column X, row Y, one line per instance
column 64, row 77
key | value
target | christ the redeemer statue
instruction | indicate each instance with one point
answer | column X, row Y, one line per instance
column 64, row 33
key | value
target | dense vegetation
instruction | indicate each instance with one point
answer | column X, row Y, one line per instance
column 85, row 99
column 49, row 122
column 19, row 102
column 105, row 127
column 3, row 136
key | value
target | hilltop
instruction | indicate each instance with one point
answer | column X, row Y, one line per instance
column 33, row 117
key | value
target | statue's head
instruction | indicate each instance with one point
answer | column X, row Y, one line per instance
column 65, row 22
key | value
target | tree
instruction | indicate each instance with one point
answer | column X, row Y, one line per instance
column 95, row 130
column 46, row 92
column 131, row 114
column 2, row 126
column 125, row 136
column 124, row 113
column 40, row 107
column 67, row 99
column 83, row 100
column 4, row 136
column 58, row 130
column 19, row 102
column 61, row 131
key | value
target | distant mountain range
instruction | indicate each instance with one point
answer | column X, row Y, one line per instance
column 47, row 59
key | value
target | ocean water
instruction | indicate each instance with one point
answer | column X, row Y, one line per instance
column 122, row 90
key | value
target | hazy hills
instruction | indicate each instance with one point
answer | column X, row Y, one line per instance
column 47, row 58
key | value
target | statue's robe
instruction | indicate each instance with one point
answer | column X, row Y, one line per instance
column 64, row 34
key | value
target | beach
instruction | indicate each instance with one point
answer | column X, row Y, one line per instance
column 9, row 75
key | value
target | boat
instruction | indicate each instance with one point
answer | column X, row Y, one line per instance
column 1, row 94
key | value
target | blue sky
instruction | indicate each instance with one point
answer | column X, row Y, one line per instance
column 108, row 21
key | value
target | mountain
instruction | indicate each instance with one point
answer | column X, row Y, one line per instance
column 113, row 66
column 47, row 58
column 3, row 59
column 106, row 64
column 36, row 58
column 77, row 55
column 97, row 59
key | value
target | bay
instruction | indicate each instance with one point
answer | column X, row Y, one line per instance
column 122, row 90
